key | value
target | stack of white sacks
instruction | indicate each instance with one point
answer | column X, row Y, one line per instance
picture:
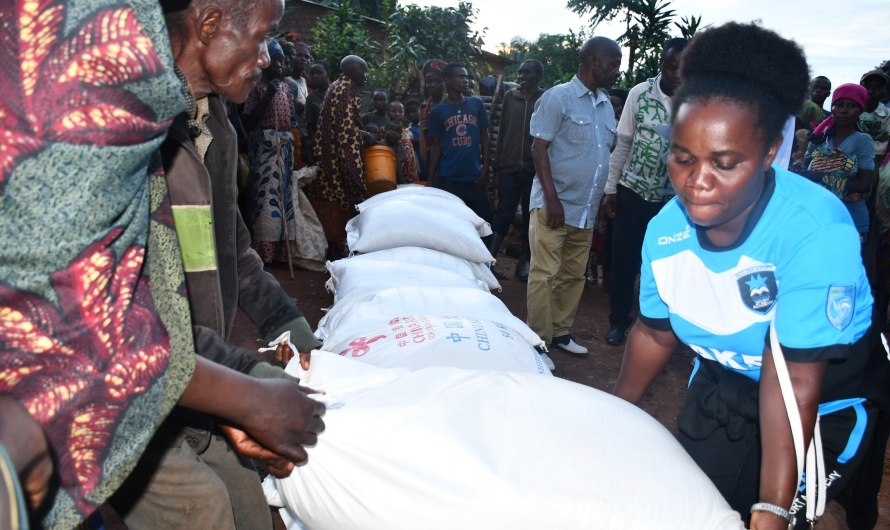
column 416, row 292
column 441, row 414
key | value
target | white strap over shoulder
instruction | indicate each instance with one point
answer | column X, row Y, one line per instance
column 815, row 462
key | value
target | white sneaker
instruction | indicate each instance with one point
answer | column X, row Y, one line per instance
column 547, row 361
column 568, row 345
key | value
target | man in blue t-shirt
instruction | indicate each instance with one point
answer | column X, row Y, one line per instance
column 460, row 144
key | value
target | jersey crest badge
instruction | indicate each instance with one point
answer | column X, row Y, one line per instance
column 758, row 288
column 841, row 301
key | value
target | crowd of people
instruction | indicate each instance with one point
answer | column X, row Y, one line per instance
column 757, row 223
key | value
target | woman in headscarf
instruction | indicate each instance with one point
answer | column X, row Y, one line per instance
column 267, row 119
column 841, row 158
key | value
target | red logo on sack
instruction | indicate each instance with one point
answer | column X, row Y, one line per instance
column 361, row 346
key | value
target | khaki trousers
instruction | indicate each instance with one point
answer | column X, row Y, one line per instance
column 556, row 276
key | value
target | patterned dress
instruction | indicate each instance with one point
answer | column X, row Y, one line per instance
column 271, row 160
column 95, row 333
column 340, row 183
column 298, row 92
column 406, row 161
column 424, row 111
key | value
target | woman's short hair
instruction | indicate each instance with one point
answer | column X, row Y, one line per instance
column 747, row 65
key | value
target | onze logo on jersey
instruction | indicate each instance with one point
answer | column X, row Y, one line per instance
column 676, row 238
column 758, row 288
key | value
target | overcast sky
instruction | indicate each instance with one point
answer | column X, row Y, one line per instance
column 842, row 40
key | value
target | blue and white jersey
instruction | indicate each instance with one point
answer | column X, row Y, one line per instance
column 797, row 261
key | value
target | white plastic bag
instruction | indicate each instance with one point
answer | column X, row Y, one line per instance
column 354, row 315
column 408, row 190
column 274, row 344
column 356, row 278
column 443, row 448
column 433, row 203
column 403, row 224
column 421, row 341
column 433, row 258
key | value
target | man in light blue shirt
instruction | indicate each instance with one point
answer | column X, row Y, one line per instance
column 573, row 128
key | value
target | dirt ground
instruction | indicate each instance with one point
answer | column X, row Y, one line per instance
column 599, row 369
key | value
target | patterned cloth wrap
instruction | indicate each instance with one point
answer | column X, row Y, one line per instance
column 95, row 332
column 271, row 165
column 339, row 148
column 835, row 167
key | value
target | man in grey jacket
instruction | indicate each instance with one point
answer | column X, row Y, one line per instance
column 513, row 159
column 190, row 476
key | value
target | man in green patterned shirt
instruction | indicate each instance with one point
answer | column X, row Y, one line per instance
column 638, row 184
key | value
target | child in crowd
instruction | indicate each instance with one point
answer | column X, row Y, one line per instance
column 378, row 116
column 397, row 114
column 412, row 113
column 370, row 134
column 406, row 162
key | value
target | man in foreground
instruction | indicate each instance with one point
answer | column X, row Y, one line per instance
column 190, row 476
column 92, row 278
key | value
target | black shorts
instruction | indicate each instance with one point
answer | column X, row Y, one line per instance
column 719, row 428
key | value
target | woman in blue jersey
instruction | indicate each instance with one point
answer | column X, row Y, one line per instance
column 743, row 246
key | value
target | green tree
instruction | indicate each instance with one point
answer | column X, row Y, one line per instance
column 340, row 33
column 647, row 28
column 688, row 26
column 601, row 10
column 559, row 53
column 445, row 32
column 415, row 34
column 402, row 58
column 368, row 8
